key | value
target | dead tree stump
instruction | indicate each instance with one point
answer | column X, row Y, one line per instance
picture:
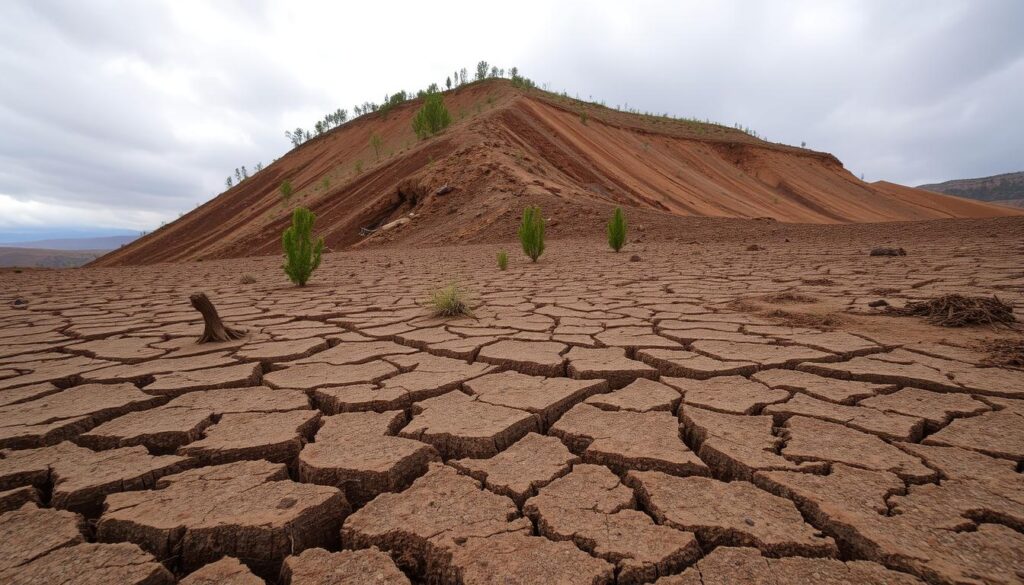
column 215, row 329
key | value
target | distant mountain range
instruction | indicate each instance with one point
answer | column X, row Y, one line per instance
column 1005, row 189
column 98, row 243
column 37, row 258
column 59, row 252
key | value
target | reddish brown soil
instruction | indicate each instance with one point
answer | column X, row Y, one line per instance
column 508, row 148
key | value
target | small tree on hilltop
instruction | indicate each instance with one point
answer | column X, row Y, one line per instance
column 617, row 230
column 432, row 117
column 531, row 232
column 302, row 254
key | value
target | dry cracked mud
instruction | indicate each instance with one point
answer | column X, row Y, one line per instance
column 608, row 422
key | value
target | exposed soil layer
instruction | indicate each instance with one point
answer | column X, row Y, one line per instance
column 508, row 148
column 597, row 420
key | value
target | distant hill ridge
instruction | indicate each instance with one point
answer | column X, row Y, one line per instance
column 97, row 243
column 1007, row 188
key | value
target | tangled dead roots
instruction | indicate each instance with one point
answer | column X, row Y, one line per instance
column 955, row 310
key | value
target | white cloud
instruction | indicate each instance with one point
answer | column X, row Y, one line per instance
column 15, row 213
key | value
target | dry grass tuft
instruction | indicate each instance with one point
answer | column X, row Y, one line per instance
column 248, row 279
column 450, row 301
column 955, row 310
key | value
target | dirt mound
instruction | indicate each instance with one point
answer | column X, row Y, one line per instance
column 510, row 147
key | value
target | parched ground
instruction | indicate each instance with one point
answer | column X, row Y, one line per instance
column 678, row 413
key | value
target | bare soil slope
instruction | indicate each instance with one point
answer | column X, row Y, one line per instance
column 509, row 147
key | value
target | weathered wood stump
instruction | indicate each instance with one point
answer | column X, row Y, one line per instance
column 215, row 329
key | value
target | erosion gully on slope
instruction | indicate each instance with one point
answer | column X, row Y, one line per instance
column 596, row 421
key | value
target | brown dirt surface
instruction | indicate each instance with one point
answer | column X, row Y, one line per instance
column 746, row 565
column 78, row 479
column 592, row 508
column 729, row 514
column 517, row 472
column 29, row 533
column 883, row 450
column 316, row 566
column 358, row 453
column 90, row 563
column 247, row 509
column 227, row 571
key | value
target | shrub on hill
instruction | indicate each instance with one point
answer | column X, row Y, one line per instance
column 617, row 230
column 502, row 259
column 531, row 232
column 302, row 253
column 432, row 117
column 377, row 144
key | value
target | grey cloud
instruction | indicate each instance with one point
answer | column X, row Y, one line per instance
column 126, row 106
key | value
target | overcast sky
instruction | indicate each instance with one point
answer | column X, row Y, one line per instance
column 122, row 114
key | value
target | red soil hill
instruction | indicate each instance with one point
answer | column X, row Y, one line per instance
column 509, row 147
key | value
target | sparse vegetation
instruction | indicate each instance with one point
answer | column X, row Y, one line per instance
column 326, row 184
column 617, row 230
column 377, row 144
column 302, row 253
column 583, row 117
column 531, row 232
column 432, row 117
column 502, row 259
column 359, row 166
column 286, row 189
column 450, row 301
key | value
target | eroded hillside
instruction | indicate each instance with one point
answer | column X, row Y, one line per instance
column 508, row 147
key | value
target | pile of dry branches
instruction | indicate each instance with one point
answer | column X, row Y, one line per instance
column 957, row 311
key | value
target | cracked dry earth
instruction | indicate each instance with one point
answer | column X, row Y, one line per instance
column 598, row 420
